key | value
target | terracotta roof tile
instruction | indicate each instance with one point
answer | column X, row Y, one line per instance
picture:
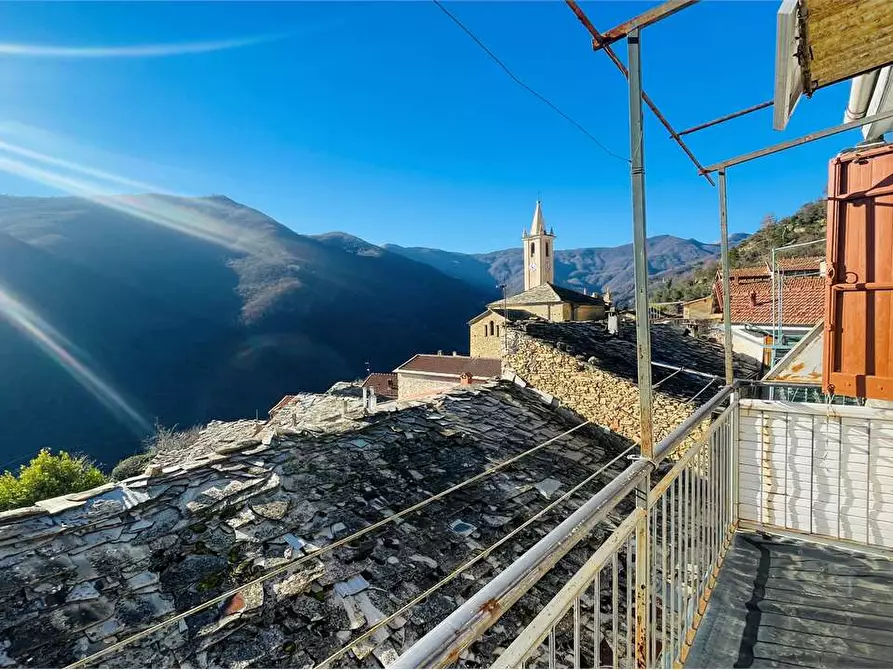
column 482, row 368
column 803, row 301
column 383, row 383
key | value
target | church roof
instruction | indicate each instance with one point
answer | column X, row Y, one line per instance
column 509, row 314
column 548, row 293
column 538, row 227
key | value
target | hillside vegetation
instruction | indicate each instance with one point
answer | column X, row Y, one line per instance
column 804, row 225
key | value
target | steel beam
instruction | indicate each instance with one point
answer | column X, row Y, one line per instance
column 646, row 18
column 727, row 117
column 597, row 40
column 805, row 139
column 726, row 298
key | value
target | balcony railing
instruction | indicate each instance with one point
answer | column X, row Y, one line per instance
column 814, row 469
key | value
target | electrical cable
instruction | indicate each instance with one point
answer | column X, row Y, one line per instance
column 527, row 88
column 486, row 552
column 88, row 660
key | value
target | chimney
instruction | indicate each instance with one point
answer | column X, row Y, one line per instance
column 753, row 298
column 440, row 352
column 613, row 323
column 466, row 379
column 455, row 354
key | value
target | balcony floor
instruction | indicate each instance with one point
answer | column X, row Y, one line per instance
column 782, row 603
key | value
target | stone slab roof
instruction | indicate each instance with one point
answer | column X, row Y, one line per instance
column 121, row 558
column 508, row 314
column 481, row 368
column 591, row 343
column 548, row 293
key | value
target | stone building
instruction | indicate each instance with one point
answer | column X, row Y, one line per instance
column 424, row 374
column 541, row 297
column 596, row 373
column 82, row 572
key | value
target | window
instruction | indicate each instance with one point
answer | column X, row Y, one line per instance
column 497, row 330
column 531, row 249
column 485, row 330
column 491, row 328
column 547, row 249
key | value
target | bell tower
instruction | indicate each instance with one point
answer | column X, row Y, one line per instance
column 539, row 252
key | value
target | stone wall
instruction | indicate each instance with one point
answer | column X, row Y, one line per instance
column 415, row 385
column 589, row 313
column 598, row 395
column 481, row 343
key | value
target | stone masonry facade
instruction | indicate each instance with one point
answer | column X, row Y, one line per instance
column 598, row 395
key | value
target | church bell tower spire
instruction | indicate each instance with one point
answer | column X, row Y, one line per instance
column 539, row 266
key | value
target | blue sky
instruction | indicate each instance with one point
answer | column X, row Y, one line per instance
column 386, row 121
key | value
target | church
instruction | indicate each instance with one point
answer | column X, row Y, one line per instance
column 541, row 298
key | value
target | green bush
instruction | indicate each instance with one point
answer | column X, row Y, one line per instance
column 131, row 466
column 48, row 476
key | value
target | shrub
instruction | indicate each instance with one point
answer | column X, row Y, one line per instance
column 48, row 476
column 131, row 466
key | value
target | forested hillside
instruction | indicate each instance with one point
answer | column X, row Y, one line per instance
column 804, row 225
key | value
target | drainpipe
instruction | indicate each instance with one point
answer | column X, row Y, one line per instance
column 860, row 96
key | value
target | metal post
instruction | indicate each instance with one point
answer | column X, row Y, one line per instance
column 643, row 342
column 726, row 298
column 637, row 176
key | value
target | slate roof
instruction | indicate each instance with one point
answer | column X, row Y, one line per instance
column 383, row 383
column 803, row 302
column 590, row 341
column 481, row 368
column 549, row 293
column 107, row 563
column 508, row 314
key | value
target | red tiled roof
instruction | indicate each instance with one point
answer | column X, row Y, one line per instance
column 383, row 383
column 482, row 368
column 803, row 301
column 784, row 264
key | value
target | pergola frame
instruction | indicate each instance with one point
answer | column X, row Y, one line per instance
column 631, row 30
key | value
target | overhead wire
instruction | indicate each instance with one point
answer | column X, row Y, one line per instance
column 472, row 561
column 320, row 551
column 525, row 86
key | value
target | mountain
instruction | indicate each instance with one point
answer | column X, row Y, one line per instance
column 118, row 313
column 807, row 224
column 594, row 268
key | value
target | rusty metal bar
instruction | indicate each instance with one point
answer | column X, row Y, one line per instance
column 727, row 117
column 597, row 39
column 805, row 139
column 646, row 18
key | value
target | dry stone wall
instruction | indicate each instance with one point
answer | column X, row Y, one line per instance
column 594, row 393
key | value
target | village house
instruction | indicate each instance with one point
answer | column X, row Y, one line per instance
column 594, row 372
column 425, row 374
column 801, row 296
column 384, row 384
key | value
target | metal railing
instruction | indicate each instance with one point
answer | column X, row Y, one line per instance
column 685, row 542
column 688, row 523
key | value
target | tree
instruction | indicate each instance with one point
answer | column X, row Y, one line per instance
column 48, row 476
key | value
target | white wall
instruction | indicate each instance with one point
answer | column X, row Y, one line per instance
column 825, row 470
